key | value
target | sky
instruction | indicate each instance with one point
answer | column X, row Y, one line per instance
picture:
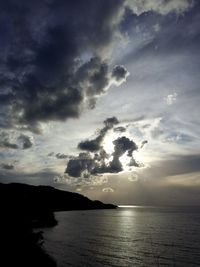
column 102, row 98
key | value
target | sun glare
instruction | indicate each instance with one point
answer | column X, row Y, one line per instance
column 125, row 161
column 108, row 143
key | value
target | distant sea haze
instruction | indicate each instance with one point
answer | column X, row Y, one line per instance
column 127, row 236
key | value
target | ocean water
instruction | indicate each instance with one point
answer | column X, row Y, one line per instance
column 134, row 236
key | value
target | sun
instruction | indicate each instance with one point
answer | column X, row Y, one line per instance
column 125, row 160
column 108, row 145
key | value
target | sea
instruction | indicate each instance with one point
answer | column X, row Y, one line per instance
column 126, row 236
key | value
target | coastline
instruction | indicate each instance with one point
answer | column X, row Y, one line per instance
column 26, row 207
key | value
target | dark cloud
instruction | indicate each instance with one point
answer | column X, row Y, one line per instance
column 50, row 154
column 143, row 143
column 7, row 144
column 23, row 141
column 53, row 52
column 119, row 73
column 87, row 164
column 95, row 144
column 7, row 166
column 121, row 146
column 91, row 145
column 134, row 163
column 110, row 122
column 96, row 160
column 26, row 141
column 5, row 141
column 52, row 58
column 60, row 156
column 81, row 165
column 120, row 129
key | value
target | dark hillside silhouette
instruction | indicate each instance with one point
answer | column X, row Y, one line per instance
column 24, row 207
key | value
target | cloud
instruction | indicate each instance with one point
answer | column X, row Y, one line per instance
column 133, row 177
column 91, row 145
column 26, row 141
column 54, row 64
column 97, row 161
column 60, row 156
column 120, row 129
column 5, row 141
column 80, row 166
column 134, row 163
column 81, row 182
column 147, row 42
column 119, row 74
column 7, row 166
column 177, row 165
column 110, row 122
column 7, row 144
column 156, row 27
column 95, row 144
column 121, row 146
column 108, row 190
column 160, row 6
column 143, row 143
column 50, row 154
column 11, row 141
column 171, row 99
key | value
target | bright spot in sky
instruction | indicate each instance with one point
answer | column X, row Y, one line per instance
column 125, row 160
column 138, row 156
column 108, row 143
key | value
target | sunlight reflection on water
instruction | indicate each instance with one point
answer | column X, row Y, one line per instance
column 126, row 237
